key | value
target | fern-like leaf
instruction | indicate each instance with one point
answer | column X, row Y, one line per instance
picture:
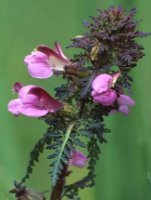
column 62, row 155
column 34, row 156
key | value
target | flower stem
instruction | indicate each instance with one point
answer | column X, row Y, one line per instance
column 56, row 193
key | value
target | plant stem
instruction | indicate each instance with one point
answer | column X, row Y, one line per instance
column 56, row 193
column 57, row 190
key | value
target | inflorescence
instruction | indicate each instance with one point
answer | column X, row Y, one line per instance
column 97, row 84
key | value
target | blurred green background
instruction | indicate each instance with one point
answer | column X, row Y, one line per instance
column 126, row 159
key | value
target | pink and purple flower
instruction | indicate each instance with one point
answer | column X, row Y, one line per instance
column 102, row 89
column 44, row 61
column 78, row 159
column 32, row 101
column 125, row 102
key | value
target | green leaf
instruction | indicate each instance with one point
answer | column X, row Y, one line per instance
column 58, row 164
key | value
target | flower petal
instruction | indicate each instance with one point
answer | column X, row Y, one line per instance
column 45, row 99
column 17, row 86
column 102, row 83
column 105, row 98
column 124, row 109
column 115, row 76
column 31, row 107
column 24, row 90
column 40, row 70
column 31, row 111
column 58, row 50
column 78, row 159
column 125, row 100
column 14, row 106
column 38, row 66
column 56, row 58
column 35, row 57
column 58, row 63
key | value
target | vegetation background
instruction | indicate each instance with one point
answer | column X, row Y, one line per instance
column 126, row 160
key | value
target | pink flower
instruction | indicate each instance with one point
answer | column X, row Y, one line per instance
column 102, row 89
column 125, row 102
column 32, row 101
column 105, row 98
column 43, row 61
column 78, row 159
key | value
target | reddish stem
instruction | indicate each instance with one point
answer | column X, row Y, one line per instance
column 58, row 188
